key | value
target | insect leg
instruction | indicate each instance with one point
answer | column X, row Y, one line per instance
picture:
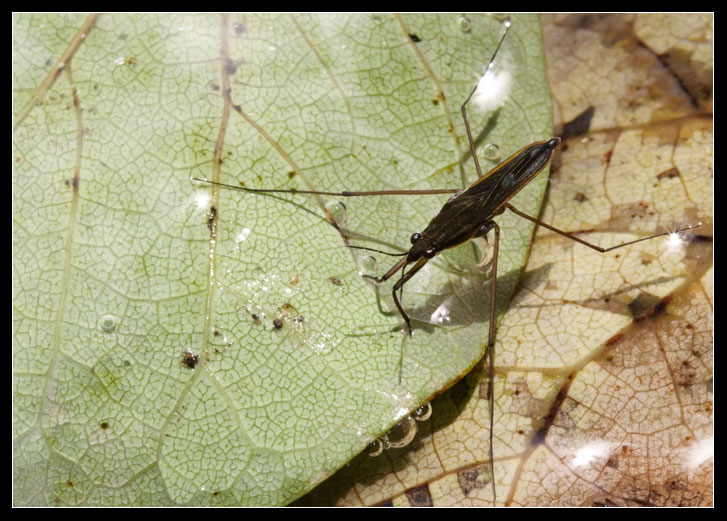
column 586, row 243
column 434, row 191
column 464, row 105
column 400, row 283
column 490, row 354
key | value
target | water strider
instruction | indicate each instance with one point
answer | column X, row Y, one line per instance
column 468, row 214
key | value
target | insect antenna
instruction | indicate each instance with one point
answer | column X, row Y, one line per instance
column 377, row 251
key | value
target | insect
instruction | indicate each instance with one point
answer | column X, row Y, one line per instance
column 468, row 214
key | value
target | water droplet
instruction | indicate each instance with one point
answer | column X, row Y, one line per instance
column 464, row 24
column 108, row 323
column 423, row 413
column 491, row 152
column 503, row 18
column 375, row 448
column 441, row 315
column 369, row 265
column 337, row 210
column 242, row 235
column 402, row 433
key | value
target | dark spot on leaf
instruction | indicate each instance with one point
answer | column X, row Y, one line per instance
column 415, row 38
column 230, row 68
column 473, row 478
column 277, row 323
column 420, row 496
column 653, row 310
column 580, row 197
column 642, row 303
column 211, row 218
column 336, row 281
column 668, row 174
column 104, row 425
column 190, row 359
column 580, row 124
column 607, row 157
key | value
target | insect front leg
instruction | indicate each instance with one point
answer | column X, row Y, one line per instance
column 400, row 284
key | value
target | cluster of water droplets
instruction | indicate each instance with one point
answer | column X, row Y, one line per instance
column 402, row 433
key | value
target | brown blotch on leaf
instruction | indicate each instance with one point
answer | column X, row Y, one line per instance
column 190, row 359
column 668, row 174
column 474, row 478
column 420, row 496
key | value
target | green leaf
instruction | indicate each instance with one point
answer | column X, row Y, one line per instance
column 147, row 366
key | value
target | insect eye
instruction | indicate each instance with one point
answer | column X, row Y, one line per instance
column 415, row 237
column 429, row 253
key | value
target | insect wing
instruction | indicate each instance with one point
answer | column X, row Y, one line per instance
column 505, row 180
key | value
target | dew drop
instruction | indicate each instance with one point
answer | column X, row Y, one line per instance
column 337, row 210
column 375, row 448
column 108, row 323
column 465, row 24
column 491, row 152
column 402, row 433
column 423, row 413
column 369, row 265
